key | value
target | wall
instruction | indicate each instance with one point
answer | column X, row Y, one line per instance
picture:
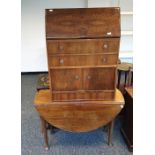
column 33, row 29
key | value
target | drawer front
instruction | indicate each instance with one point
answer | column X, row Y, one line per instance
column 99, row 78
column 83, row 60
column 83, row 22
column 65, row 79
column 80, row 46
column 82, row 95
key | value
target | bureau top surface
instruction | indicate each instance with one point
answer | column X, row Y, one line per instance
column 82, row 23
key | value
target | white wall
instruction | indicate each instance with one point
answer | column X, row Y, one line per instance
column 126, row 44
column 33, row 29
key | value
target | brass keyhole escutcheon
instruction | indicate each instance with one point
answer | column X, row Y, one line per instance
column 61, row 61
column 61, row 48
column 77, row 77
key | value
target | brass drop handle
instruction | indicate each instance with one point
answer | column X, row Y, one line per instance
column 88, row 77
column 61, row 61
column 105, row 46
column 77, row 77
column 61, row 48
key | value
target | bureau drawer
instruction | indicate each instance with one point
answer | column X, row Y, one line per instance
column 99, row 78
column 83, row 60
column 72, row 79
column 65, row 79
column 80, row 46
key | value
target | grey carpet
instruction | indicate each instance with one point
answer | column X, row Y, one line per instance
column 61, row 142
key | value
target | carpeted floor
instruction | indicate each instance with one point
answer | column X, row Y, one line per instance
column 61, row 142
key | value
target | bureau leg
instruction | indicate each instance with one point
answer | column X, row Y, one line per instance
column 110, row 131
column 44, row 131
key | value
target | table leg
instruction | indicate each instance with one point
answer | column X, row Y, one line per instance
column 41, row 126
column 44, row 131
column 110, row 131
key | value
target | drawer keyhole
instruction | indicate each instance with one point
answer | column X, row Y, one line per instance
column 61, row 61
column 61, row 48
column 105, row 46
column 104, row 60
column 77, row 77
column 88, row 77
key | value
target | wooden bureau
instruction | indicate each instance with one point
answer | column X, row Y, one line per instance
column 82, row 51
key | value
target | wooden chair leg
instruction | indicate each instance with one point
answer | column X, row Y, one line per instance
column 110, row 131
column 44, row 131
column 119, row 79
column 126, row 73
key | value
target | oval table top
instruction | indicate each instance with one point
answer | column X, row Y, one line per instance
column 79, row 116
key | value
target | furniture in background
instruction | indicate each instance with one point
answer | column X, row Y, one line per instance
column 82, row 52
column 43, row 82
column 125, row 75
column 130, row 77
column 127, row 128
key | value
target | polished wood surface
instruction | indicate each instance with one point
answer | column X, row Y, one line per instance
column 82, row 23
column 83, row 79
column 82, row 95
column 129, row 90
column 84, row 60
column 80, row 116
column 66, row 79
column 82, row 56
column 83, row 83
column 83, row 46
column 82, row 52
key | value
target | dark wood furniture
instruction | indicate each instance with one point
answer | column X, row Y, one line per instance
column 82, row 50
column 82, row 53
column 81, row 116
column 127, row 128
column 124, row 69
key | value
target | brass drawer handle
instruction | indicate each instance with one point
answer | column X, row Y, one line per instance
column 105, row 46
column 77, row 77
column 88, row 77
column 61, row 61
